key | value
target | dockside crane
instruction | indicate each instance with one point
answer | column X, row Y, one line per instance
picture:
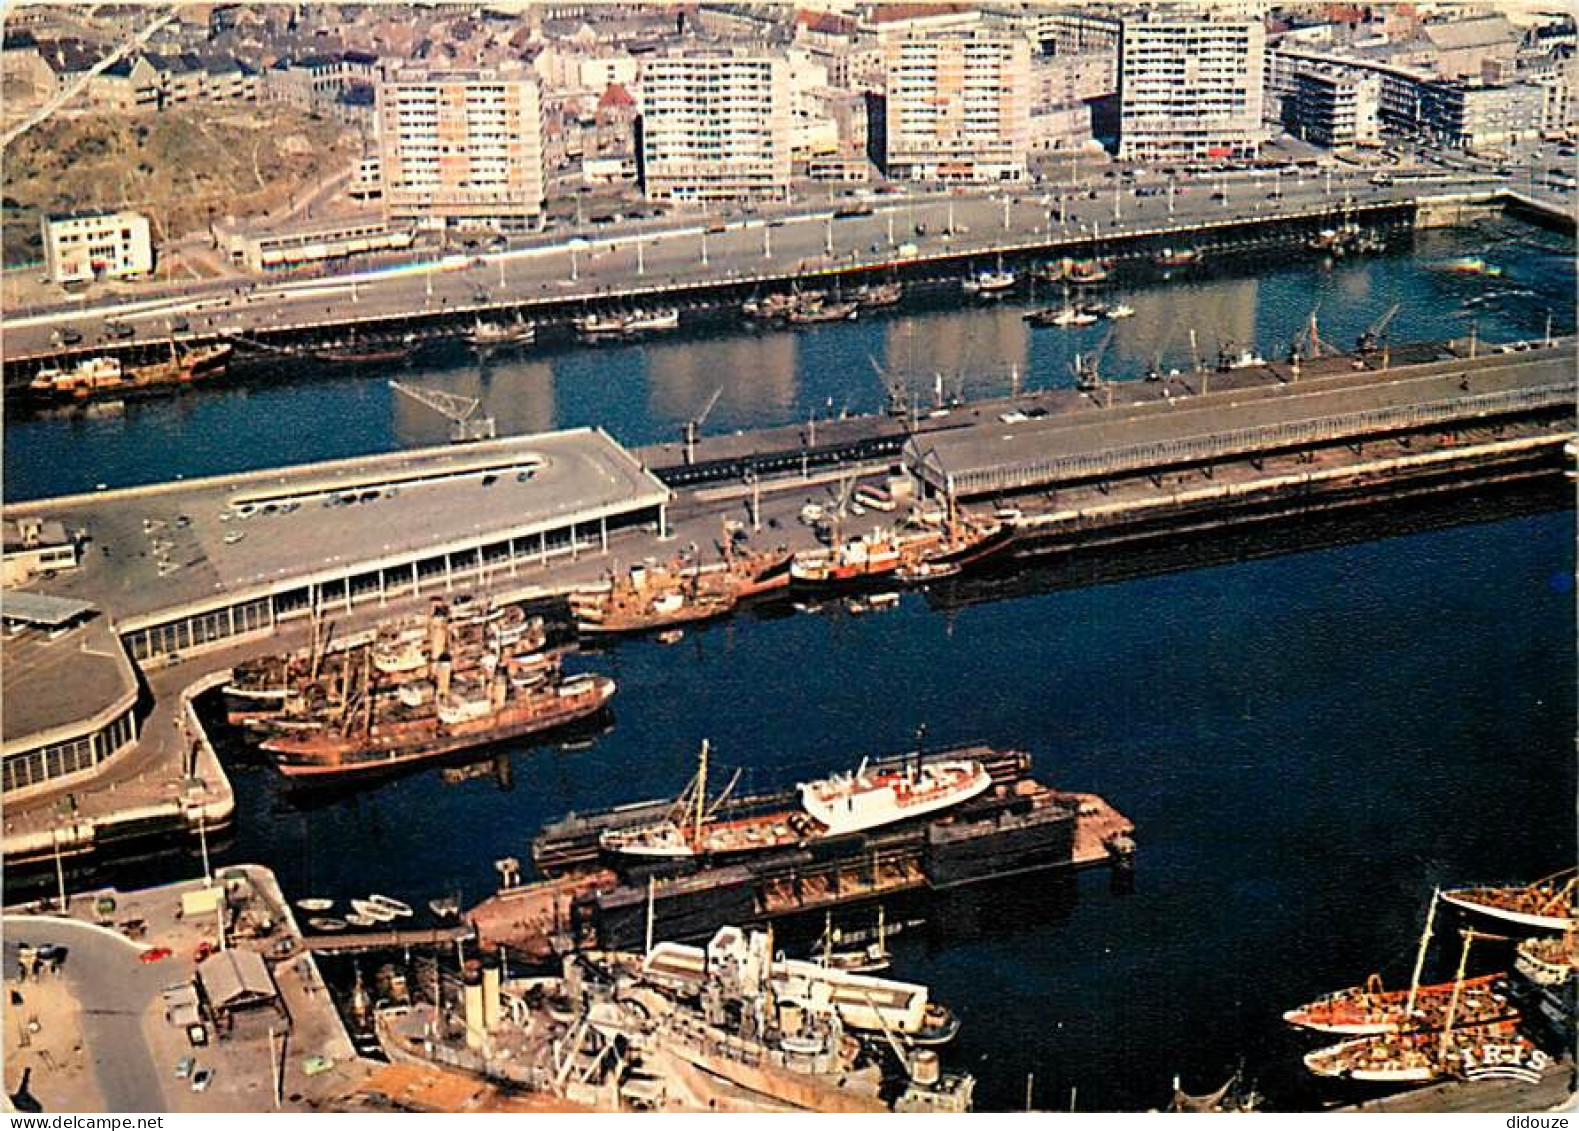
column 460, row 411
column 694, row 425
column 1374, row 337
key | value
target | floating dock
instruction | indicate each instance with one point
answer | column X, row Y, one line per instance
column 1018, row 826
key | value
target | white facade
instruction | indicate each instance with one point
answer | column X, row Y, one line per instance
column 1190, row 88
column 1335, row 110
column 462, row 148
column 957, row 106
column 112, row 245
column 715, row 127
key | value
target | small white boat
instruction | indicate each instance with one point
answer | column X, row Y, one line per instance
column 1122, row 310
column 372, row 912
column 395, row 907
column 357, row 919
column 315, row 904
column 985, row 284
column 445, row 907
column 326, row 925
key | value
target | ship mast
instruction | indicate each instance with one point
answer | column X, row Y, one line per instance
column 1458, row 986
column 701, row 796
column 1425, row 941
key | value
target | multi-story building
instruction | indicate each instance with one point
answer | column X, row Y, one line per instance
column 714, row 125
column 462, row 148
column 81, row 246
column 1480, row 115
column 957, row 106
column 1190, row 87
column 1078, row 33
column 1334, row 109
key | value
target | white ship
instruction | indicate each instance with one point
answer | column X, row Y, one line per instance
column 833, row 806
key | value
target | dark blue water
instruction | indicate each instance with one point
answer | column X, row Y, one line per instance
column 644, row 393
column 1308, row 743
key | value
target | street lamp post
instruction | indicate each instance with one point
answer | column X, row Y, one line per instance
column 704, row 249
column 575, row 269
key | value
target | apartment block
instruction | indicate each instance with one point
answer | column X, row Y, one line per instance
column 82, row 246
column 1190, row 88
column 1334, row 109
column 957, row 106
column 714, row 126
column 462, row 149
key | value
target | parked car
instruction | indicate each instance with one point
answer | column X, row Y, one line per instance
column 154, row 954
column 185, row 1067
column 201, row 1079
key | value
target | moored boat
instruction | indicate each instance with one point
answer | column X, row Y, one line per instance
column 1417, row 1058
column 373, row 912
column 315, row 905
column 395, row 907
column 499, row 335
column 326, row 924
column 871, row 798
column 987, row 284
column 1545, row 905
column 1368, row 1009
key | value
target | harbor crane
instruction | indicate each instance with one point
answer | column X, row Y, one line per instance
column 694, row 425
column 458, row 410
column 1376, row 335
column 1088, row 370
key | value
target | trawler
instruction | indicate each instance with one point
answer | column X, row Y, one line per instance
column 1419, row 1057
column 360, row 741
column 485, row 336
column 837, row 805
column 650, row 597
column 108, row 376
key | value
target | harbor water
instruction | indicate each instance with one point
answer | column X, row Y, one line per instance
column 1310, row 732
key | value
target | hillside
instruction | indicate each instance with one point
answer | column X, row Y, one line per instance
column 181, row 167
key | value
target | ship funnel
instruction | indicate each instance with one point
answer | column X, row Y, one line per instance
column 498, row 690
column 490, row 993
column 438, row 632
column 476, row 1024
column 924, row 1068
column 441, row 677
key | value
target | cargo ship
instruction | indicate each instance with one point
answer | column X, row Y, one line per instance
column 1545, row 905
column 1367, row 1010
column 835, row 806
column 110, row 377
column 456, row 720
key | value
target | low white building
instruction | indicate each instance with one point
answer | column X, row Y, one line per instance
column 82, row 246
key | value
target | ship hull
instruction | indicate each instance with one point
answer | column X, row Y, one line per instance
column 1344, row 1019
column 1519, row 918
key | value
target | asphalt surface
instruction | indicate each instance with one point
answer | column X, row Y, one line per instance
column 628, row 260
column 115, row 992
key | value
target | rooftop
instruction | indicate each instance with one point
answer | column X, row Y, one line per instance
column 87, row 659
column 210, row 542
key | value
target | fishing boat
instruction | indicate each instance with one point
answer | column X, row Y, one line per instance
column 854, row 559
column 315, row 905
column 1122, row 310
column 1087, row 271
column 351, row 352
column 925, row 571
column 1183, row 257
column 837, row 805
column 485, row 335
column 769, row 308
column 989, row 284
column 463, row 718
column 810, row 313
column 1417, row 1058
column 1229, row 359
column 373, row 912
column 873, row 958
column 357, row 919
column 326, row 924
column 661, row 597
column 1546, row 905
column 395, row 907
column 110, row 377
column 1368, row 1009
column 651, row 321
column 599, row 325
column 874, row 296
column 1548, row 960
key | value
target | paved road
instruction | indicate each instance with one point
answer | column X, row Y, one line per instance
column 616, row 260
column 114, row 991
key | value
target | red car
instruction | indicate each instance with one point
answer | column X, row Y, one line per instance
column 154, row 954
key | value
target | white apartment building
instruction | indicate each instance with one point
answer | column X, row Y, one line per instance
column 1334, row 109
column 462, row 148
column 957, row 106
column 714, row 126
column 82, row 246
column 1190, row 88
